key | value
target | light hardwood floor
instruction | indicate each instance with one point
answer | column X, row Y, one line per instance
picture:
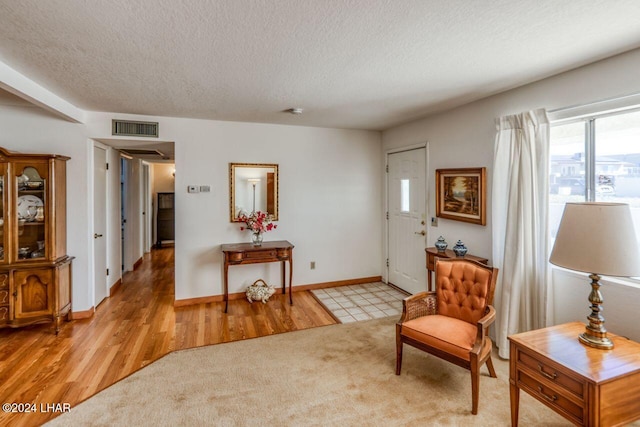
column 128, row 331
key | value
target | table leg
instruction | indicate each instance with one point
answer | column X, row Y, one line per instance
column 290, row 277
column 514, row 393
column 284, row 287
column 226, row 285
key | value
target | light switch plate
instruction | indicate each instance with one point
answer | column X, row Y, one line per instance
column 434, row 221
column 205, row 188
column 193, row 189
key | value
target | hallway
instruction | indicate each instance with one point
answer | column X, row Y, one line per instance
column 128, row 331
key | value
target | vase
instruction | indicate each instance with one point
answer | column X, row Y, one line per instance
column 460, row 249
column 441, row 244
column 256, row 238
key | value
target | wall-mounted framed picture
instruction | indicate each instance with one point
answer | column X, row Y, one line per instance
column 461, row 194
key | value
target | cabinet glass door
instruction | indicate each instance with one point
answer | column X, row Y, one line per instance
column 31, row 209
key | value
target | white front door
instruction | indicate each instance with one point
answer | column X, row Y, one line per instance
column 406, row 183
column 100, row 223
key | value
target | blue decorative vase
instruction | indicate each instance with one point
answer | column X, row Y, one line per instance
column 441, row 244
column 460, row 249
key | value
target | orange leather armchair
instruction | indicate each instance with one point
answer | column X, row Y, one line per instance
column 452, row 322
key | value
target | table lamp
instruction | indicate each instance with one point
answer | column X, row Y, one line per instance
column 599, row 239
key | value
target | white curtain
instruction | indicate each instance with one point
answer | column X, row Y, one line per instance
column 519, row 222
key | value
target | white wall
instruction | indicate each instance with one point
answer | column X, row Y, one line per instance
column 32, row 130
column 464, row 137
column 330, row 199
column 163, row 180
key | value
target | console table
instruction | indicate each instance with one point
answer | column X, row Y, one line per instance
column 586, row 385
column 247, row 253
column 432, row 253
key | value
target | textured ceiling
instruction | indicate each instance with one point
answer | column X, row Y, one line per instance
column 367, row 64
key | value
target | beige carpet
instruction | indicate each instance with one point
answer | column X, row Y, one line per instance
column 341, row 375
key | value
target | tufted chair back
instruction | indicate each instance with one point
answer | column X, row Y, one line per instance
column 463, row 288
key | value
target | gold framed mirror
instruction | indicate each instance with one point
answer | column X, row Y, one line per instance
column 253, row 187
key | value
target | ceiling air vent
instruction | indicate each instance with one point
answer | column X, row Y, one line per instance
column 131, row 128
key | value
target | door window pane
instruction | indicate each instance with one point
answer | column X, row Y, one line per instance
column 404, row 196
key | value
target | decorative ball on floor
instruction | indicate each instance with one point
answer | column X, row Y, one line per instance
column 260, row 291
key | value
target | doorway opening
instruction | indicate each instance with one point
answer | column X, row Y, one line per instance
column 132, row 178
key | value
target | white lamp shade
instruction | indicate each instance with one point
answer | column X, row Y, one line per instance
column 597, row 238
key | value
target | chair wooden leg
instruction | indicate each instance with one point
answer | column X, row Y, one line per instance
column 492, row 372
column 398, row 350
column 475, row 387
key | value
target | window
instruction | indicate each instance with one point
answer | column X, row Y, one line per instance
column 595, row 159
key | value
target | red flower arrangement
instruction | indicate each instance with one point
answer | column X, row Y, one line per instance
column 257, row 222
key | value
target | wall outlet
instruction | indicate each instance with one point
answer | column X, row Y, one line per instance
column 193, row 189
column 434, row 221
column 313, row 265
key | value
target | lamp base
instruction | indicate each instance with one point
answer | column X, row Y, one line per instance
column 603, row 343
column 595, row 334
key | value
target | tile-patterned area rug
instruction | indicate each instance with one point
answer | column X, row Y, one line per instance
column 361, row 302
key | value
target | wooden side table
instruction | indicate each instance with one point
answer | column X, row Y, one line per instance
column 247, row 253
column 586, row 385
column 432, row 253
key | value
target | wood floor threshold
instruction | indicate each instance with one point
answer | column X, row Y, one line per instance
column 326, row 308
column 299, row 288
column 347, row 282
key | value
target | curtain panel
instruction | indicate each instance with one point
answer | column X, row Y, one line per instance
column 520, row 195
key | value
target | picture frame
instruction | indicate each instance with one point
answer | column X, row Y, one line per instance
column 461, row 194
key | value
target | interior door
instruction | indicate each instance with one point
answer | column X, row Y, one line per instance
column 146, row 219
column 124, row 206
column 406, row 183
column 100, row 223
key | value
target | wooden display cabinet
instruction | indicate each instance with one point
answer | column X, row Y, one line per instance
column 35, row 270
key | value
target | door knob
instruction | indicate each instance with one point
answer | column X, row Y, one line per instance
column 96, row 235
column 421, row 232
